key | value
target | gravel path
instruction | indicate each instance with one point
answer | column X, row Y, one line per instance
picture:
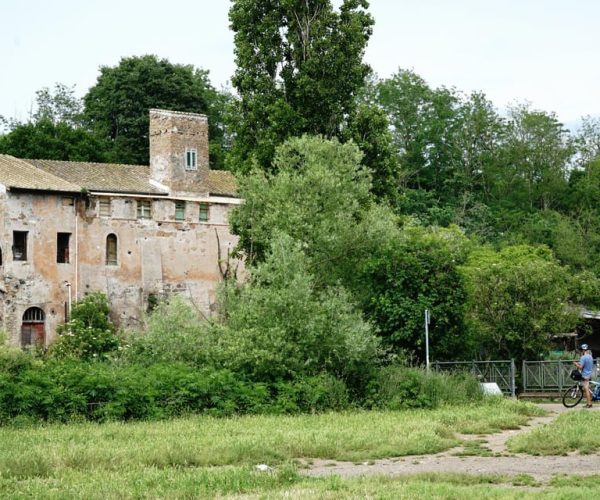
column 541, row 468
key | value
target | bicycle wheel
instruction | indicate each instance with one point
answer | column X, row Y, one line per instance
column 572, row 396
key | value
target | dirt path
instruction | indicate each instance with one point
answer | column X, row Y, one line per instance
column 541, row 468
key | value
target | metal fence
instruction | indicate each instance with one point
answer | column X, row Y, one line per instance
column 502, row 373
column 547, row 376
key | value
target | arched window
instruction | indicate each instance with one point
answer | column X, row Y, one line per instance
column 111, row 250
column 32, row 327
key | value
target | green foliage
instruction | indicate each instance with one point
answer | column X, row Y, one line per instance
column 320, row 189
column 399, row 387
column 517, row 299
column 417, row 269
column 299, row 66
column 47, row 140
column 280, row 325
column 117, row 105
column 175, row 332
column 89, row 334
column 55, row 130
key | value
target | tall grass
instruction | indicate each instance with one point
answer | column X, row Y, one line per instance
column 207, row 441
column 397, row 387
column 572, row 431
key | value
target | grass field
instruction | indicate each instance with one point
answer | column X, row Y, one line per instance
column 572, row 431
column 206, row 457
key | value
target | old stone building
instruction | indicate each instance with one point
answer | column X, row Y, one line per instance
column 136, row 233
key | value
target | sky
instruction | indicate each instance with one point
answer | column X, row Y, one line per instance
column 544, row 52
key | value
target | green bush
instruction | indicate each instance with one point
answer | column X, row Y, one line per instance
column 89, row 334
column 399, row 387
column 72, row 390
column 176, row 332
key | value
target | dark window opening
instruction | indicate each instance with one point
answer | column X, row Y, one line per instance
column 0, row 256
column 19, row 247
column 62, row 247
column 111, row 250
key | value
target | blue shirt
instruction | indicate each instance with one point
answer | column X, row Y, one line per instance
column 587, row 365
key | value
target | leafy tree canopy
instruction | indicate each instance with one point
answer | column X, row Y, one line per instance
column 116, row 107
column 299, row 67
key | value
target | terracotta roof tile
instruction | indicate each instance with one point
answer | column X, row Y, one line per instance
column 73, row 176
column 221, row 182
column 109, row 177
column 16, row 173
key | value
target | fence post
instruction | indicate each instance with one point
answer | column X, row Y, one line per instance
column 513, row 389
column 524, row 377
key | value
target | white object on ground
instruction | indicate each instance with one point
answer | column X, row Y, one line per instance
column 491, row 389
column 263, row 468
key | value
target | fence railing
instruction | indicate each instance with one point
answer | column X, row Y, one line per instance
column 547, row 376
column 536, row 376
column 502, row 372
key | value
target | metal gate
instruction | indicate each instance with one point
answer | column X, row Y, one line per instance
column 547, row 376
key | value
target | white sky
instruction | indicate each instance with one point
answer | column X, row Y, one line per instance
column 541, row 51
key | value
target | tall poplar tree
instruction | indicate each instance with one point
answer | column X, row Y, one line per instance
column 299, row 68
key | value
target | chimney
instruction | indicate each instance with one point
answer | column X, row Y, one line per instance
column 178, row 150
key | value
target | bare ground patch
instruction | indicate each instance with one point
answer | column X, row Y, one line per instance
column 479, row 455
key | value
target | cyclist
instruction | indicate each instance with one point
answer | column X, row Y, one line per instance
column 586, row 365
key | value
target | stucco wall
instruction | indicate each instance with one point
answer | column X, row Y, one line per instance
column 158, row 256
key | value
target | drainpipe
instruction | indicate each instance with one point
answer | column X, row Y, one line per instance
column 76, row 260
column 68, row 318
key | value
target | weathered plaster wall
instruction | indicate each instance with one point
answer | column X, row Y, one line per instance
column 157, row 256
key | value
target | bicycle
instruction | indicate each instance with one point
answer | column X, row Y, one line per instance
column 573, row 395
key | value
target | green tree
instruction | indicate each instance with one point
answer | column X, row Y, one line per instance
column 518, row 298
column 299, row 67
column 417, row 269
column 281, row 324
column 54, row 131
column 535, row 156
column 318, row 191
column 116, row 107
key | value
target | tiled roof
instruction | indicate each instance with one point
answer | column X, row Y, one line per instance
column 222, row 183
column 108, row 177
column 16, row 173
column 73, row 176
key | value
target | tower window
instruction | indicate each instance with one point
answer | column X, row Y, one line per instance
column 62, row 247
column 190, row 159
column 19, row 245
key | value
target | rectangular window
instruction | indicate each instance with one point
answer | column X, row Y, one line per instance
column 19, row 247
column 62, row 247
column 104, row 207
column 144, row 209
column 180, row 210
column 204, row 212
column 190, row 159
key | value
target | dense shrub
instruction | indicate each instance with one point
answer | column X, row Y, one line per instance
column 89, row 334
column 281, row 325
column 70, row 389
column 175, row 332
column 399, row 387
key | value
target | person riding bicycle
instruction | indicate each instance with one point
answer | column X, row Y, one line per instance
column 586, row 366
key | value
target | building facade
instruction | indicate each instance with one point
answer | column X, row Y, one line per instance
column 137, row 233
